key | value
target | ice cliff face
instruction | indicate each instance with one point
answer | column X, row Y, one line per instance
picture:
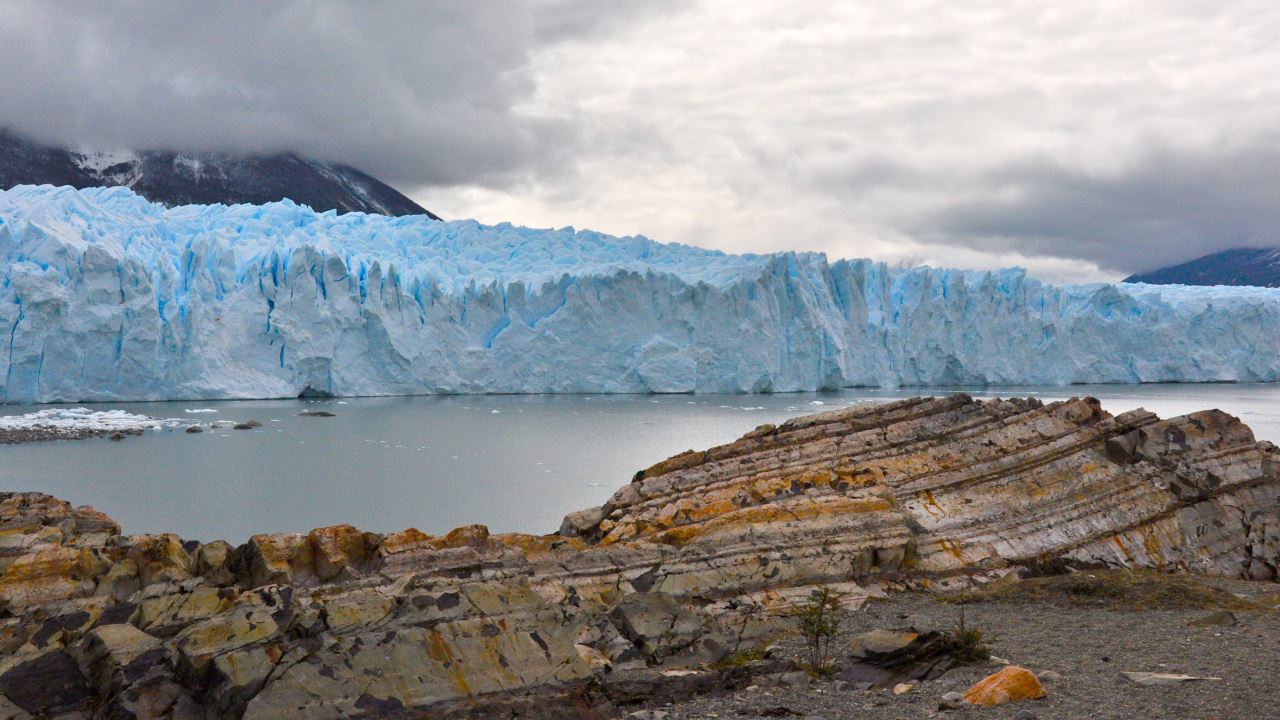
column 105, row 296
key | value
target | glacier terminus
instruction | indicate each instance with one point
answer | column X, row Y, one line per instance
column 106, row 296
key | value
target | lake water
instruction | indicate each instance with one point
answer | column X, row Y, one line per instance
column 514, row 463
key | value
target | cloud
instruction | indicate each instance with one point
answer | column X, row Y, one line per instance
column 1167, row 207
column 967, row 134
column 560, row 20
column 422, row 93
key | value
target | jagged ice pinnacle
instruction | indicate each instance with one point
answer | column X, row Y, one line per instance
column 105, row 296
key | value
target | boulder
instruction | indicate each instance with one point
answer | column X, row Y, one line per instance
column 338, row 548
column 160, row 558
column 121, row 581
column 47, row 573
column 214, row 563
column 1010, row 684
column 581, row 523
column 280, row 559
column 114, row 656
column 951, row 701
column 887, row 658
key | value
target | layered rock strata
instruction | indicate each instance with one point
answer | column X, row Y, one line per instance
column 691, row 561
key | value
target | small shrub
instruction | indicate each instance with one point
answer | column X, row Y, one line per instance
column 740, row 658
column 819, row 620
column 968, row 644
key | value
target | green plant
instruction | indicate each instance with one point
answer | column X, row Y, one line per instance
column 968, row 645
column 819, row 620
column 740, row 658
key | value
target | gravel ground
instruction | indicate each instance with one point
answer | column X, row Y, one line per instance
column 1077, row 652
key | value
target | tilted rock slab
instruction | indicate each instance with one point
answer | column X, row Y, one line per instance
column 947, row 485
column 691, row 561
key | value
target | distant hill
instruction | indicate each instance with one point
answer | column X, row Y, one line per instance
column 175, row 178
column 1242, row 266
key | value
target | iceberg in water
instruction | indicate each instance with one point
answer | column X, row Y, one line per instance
column 105, row 296
column 73, row 421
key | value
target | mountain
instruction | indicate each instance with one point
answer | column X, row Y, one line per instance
column 104, row 296
column 204, row 178
column 1242, row 266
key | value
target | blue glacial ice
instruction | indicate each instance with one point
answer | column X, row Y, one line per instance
column 105, row 296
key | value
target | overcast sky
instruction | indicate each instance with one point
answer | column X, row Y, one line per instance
column 1080, row 140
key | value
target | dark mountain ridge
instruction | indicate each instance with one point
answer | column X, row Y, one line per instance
column 176, row 178
column 1240, row 266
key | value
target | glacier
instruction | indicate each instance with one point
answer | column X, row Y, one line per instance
column 107, row 297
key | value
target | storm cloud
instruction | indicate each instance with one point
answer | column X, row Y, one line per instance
column 1166, row 208
column 421, row 93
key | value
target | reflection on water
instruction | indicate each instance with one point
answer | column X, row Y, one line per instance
column 511, row 462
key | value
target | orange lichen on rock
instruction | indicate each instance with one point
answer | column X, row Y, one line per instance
column 47, row 574
column 465, row 536
column 340, row 546
column 1011, row 684
column 405, row 540
column 686, row 459
column 537, row 546
column 160, row 558
column 279, row 558
column 808, row 509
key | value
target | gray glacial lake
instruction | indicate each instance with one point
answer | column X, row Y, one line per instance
column 514, row 463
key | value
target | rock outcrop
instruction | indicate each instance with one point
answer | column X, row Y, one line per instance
column 690, row 562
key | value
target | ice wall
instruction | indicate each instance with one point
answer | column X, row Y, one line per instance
column 105, row 296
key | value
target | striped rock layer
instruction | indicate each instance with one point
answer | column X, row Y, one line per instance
column 952, row 485
column 692, row 560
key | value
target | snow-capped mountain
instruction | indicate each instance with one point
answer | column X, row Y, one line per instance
column 185, row 178
column 1242, row 266
column 105, row 296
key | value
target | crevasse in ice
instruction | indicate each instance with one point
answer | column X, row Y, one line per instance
column 105, row 296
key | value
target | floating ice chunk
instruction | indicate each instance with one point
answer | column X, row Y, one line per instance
column 84, row 420
column 194, row 411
